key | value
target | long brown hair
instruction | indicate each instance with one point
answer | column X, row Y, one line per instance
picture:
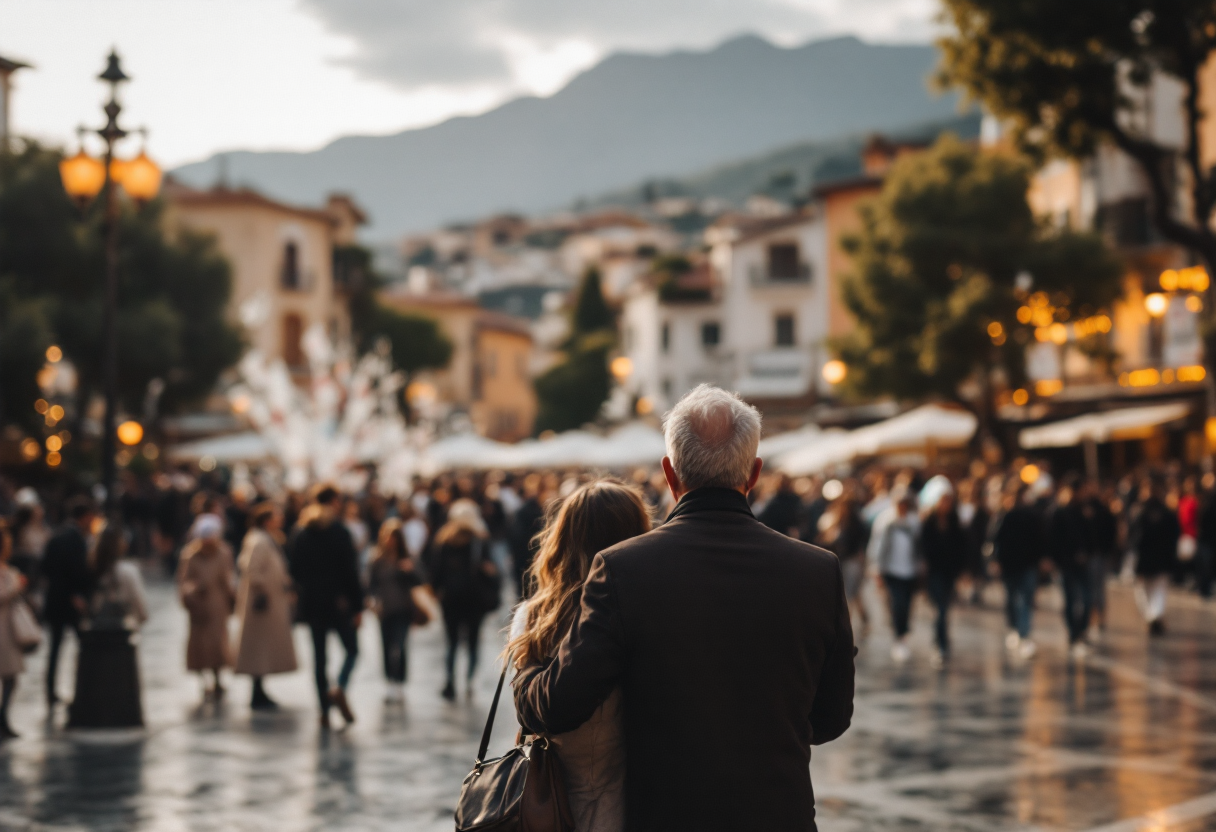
column 390, row 530
column 597, row 515
column 108, row 550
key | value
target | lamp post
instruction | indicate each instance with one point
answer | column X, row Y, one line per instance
column 83, row 181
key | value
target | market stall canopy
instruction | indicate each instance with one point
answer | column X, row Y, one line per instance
column 928, row 426
column 1113, row 425
column 632, row 445
column 235, row 447
column 773, row 449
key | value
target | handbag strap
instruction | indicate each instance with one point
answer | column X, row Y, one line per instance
column 485, row 735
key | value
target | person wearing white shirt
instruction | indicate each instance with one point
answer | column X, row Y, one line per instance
column 893, row 552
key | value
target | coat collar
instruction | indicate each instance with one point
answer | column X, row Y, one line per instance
column 711, row 499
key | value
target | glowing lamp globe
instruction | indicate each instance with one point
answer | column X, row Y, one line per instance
column 130, row 433
column 83, row 176
column 622, row 367
column 835, row 372
column 1156, row 304
column 140, row 178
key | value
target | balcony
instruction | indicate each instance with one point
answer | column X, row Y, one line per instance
column 763, row 276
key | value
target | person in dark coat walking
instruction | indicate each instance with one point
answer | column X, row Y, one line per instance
column 783, row 512
column 1021, row 545
column 325, row 568
column 943, row 544
column 66, row 582
column 1072, row 545
column 1154, row 535
column 731, row 644
column 528, row 521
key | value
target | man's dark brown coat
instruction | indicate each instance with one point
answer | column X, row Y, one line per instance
column 733, row 647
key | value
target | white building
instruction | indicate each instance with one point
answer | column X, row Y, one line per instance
column 753, row 318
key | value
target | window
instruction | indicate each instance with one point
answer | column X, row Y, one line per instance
column 783, row 330
column 711, row 334
column 665, row 337
column 290, row 277
column 293, row 331
column 783, row 261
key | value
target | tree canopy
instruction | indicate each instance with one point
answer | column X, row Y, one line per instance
column 571, row 393
column 941, row 264
column 1069, row 75
column 172, row 295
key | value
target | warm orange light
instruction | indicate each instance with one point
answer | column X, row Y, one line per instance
column 241, row 404
column 130, row 432
column 1156, row 304
column 645, row 406
column 1048, row 387
column 995, row 330
column 1167, row 376
column 420, row 391
column 83, row 176
column 1029, row 474
column 1194, row 303
column 1102, row 323
column 1025, row 313
column 1209, row 428
column 1058, row 333
column 1020, row 397
column 1143, row 378
column 30, row 449
column 1195, row 372
column 56, row 412
column 53, row 459
column 835, row 371
column 622, row 367
column 1169, row 280
column 42, row 406
column 54, row 443
column 140, row 177
column 54, row 354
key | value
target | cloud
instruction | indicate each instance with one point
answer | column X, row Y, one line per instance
column 536, row 45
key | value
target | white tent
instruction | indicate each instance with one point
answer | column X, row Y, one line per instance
column 466, row 450
column 634, row 444
column 774, row 448
column 930, row 425
column 236, row 447
column 1128, row 423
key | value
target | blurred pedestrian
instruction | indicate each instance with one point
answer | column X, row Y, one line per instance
column 467, row 583
column 325, row 568
column 1020, row 547
column 264, row 605
column 894, row 552
column 1072, row 546
column 12, row 660
column 66, row 582
column 393, row 576
column 944, row 546
column 975, row 518
column 1205, row 552
column 1104, row 528
column 845, row 534
column 528, row 521
column 107, row 669
column 782, row 513
column 206, row 589
column 1154, row 537
column 29, row 532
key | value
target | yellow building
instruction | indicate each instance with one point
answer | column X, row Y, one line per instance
column 488, row 376
column 281, row 258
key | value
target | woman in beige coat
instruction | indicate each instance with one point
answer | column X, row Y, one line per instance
column 12, row 584
column 205, row 586
column 264, row 604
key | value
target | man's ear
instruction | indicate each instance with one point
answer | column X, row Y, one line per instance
column 673, row 482
column 754, row 478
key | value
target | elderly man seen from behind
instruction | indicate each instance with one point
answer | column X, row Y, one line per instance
column 730, row 641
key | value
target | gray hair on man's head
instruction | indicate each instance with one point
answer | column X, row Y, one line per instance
column 712, row 436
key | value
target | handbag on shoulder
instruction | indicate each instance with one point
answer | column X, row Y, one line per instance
column 26, row 631
column 517, row 792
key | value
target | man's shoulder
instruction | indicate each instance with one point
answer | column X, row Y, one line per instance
column 753, row 535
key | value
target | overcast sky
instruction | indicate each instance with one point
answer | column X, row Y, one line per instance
column 293, row 74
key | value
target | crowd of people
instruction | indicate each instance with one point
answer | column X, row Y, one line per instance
column 325, row 559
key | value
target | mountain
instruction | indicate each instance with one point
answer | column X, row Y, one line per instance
column 628, row 118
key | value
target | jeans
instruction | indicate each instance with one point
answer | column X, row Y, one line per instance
column 1078, row 602
column 899, row 596
column 56, row 630
column 350, row 644
column 1098, row 567
column 394, row 630
column 1019, row 599
column 941, row 592
column 458, row 623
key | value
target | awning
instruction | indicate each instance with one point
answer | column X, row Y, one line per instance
column 236, row 447
column 1111, row 426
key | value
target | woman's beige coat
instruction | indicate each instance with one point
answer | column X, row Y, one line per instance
column 12, row 662
column 264, row 645
column 205, row 586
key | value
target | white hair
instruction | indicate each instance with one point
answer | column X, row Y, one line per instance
column 711, row 437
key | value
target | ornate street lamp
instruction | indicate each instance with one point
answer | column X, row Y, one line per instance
column 84, row 178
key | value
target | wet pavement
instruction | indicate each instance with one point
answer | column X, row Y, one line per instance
column 1122, row 741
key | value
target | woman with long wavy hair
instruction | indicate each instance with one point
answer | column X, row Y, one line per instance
column 596, row 516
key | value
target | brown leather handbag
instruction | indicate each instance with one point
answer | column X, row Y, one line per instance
column 521, row 791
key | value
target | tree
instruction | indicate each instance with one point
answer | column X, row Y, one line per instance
column 572, row 392
column 936, row 291
column 1070, row 75
column 172, row 295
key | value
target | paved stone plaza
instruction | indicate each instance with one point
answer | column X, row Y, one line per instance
column 1124, row 741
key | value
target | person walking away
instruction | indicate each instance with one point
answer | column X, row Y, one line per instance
column 894, row 544
column 528, row 521
column 12, row 659
column 66, row 583
column 1020, row 545
column 1071, row 542
column 730, row 643
column 466, row 581
column 783, row 510
column 393, row 576
column 846, row 535
column 205, row 587
column 944, row 546
column 1154, row 536
column 263, row 605
column 596, row 516
column 1188, row 526
column 1104, row 531
column 974, row 517
column 107, row 669
column 325, row 568
column 29, row 532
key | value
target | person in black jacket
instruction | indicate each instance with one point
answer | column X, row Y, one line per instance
column 1021, row 545
column 784, row 510
column 528, row 521
column 731, row 643
column 325, row 569
column 1154, row 534
column 1072, row 545
column 943, row 544
column 66, row 582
